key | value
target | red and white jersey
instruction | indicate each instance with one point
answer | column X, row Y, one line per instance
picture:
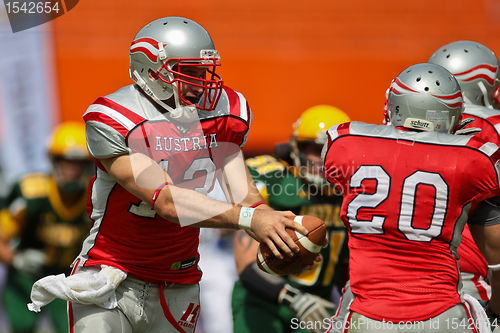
column 127, row 233
column 488, row 120
column 407, row 196
column 470, row 258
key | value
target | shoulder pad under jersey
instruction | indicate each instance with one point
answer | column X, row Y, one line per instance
column 121, row 110
column 264, row 164
column 34, row 186
column 231, row 103
column 482, row 112
column 383, row 131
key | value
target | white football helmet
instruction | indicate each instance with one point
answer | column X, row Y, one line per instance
column 425, row 97
column 161, row 54
column 476, row 68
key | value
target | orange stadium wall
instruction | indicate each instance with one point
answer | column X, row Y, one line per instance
column 284, row 56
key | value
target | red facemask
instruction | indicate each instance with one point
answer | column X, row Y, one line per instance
column 211, row 87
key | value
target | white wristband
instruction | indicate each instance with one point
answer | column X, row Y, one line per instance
column 494, row 267
column 246, row 214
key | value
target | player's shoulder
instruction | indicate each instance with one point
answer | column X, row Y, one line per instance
column 263, row 165
column 432, row 138
column 122, row 110
column 358, row 128
column 478, row 111
column 231, row 104
column 35, row 185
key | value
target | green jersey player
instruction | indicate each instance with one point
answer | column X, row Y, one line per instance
column 292, row 180
column 42, row 225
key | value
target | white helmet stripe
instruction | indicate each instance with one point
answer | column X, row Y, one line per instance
column 480, row 73
column 451, row 100
column 399, row 88
column 485, row 72
column 146, row 47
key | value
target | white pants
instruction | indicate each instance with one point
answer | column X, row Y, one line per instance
column 476, row 286
column 142, row 307
column 453, row 320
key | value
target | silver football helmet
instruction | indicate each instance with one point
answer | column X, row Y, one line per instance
column 476, row 68
column 425, row 97
column 163, row 56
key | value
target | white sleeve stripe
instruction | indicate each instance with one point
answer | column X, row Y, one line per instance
column 333, row 133
column 115, row 115
column 497, row 128
column 489, row 148
column 243, row 107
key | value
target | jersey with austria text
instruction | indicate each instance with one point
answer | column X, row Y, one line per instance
column 127, row 233
column 283, row 190
column 407, row 196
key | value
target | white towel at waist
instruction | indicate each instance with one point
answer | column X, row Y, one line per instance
column 479, row 317
column 92, row 285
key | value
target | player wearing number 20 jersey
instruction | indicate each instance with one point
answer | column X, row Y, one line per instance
column 127, row 233
column 407, row 196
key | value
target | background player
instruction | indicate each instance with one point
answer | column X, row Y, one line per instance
column 43, row 226
column 405, row 209
column 166, row 148
column 291, row 180
column 476, row 69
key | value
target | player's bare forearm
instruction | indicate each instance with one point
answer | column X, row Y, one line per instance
column 6, row 252
column 488, row 241
column 245, row 250
column 142, row 176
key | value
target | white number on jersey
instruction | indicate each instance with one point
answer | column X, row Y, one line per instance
column 205, row 165
column 408, row 198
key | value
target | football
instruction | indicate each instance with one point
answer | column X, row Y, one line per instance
column 310, row 245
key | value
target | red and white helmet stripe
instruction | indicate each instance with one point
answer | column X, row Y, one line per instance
column 148, row 46
column 482, row 71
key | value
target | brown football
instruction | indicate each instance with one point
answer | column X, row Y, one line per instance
column 310, row 245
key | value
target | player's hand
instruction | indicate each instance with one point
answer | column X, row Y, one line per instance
column 307, row 307
column 269, row 227
column 29, row 261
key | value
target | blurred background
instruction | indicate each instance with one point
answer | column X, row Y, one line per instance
column 283, row 55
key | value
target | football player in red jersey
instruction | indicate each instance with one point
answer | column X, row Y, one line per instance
column 477, row 71
column 408, row 190
column 167, row 150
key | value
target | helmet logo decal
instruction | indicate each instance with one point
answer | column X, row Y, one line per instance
column 148, row 46
column 398, row 88
column 485, row 72
column 452, row 101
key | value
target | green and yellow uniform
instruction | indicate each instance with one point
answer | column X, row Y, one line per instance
column 34, row 217
column 283, row 190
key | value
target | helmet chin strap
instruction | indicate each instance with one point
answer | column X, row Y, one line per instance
column 466, row 100
column 486, row 98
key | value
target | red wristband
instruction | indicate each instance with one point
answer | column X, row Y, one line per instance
column 257, row 204
column 156, row 194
